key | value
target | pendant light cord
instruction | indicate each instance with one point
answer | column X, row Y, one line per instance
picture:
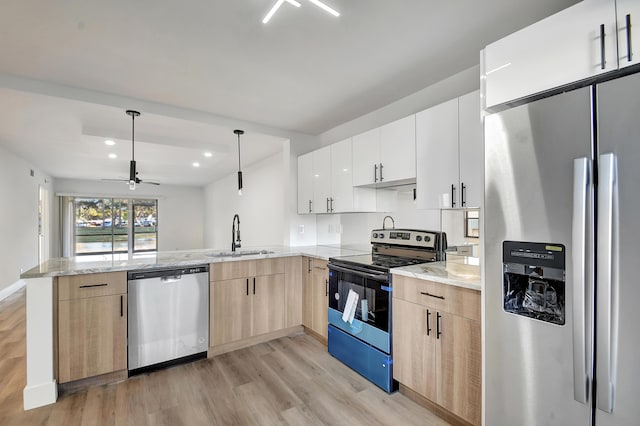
column 133, row 132
column 239, row 168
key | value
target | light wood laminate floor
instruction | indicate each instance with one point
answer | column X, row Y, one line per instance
column 286, row 381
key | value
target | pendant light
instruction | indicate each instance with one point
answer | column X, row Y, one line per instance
column 132, row 164
column 239, row 132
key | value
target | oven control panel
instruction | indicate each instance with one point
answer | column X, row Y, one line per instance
column 405, row 237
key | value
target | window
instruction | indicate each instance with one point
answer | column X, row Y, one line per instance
column 472, row 224
column 105, row 226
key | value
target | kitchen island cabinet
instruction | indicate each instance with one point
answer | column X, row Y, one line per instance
column 92, row 325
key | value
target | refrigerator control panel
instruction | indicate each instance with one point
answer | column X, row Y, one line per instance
column 534, row 280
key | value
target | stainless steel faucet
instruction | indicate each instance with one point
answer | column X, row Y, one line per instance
column 393, row 222
column 235, row 234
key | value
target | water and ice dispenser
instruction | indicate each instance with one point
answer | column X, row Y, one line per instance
column 534, row 280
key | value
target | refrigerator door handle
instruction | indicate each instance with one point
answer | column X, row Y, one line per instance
column 606, row 281
column 581, row 216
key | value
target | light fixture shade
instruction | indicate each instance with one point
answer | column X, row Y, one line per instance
column 239, row 183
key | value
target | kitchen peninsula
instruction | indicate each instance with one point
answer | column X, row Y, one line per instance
column 284, row 266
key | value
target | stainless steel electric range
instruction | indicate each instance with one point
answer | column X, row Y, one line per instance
column 360, row 299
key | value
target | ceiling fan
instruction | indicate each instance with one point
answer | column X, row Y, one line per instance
column 133, row 174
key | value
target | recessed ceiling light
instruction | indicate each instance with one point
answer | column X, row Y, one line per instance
column 109, row 142
column 113, row 156
column 208, row 154
column 196, row 164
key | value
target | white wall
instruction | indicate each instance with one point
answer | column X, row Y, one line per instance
column 180, row 208
column 458, row 84
column 18, row 216
column 262, row 207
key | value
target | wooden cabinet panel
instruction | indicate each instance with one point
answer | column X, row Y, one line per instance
column 231, row 270
column 91, row 336
column 91, row 285
column 459, row 358
column 307, row 292
column 320, row 296
column 414, row 352
column 230, row 308
column 456, row 300
column 293, row 291
column 269, row 266
column 268, row 304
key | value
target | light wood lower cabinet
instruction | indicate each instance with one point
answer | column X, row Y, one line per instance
column 249, row 304
column 437, row 348
column 92, row 325
column 315, row 294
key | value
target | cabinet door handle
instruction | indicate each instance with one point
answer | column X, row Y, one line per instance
column 602, row 61
column 121, row 305
column 431, row 295
column 309, row 266
column 463, row 191
column 309, row 206
column 453, row 195
column 94, row 285
column 331, row 204
column 629, row 53
column 438, row 332
column 247, row 286
column 326, row 284
column 327, row 205
column 254, row 285
column 381, row 178
column 375, row 172
column 428, row 325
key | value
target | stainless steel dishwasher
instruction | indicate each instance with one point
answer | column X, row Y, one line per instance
column 168, row 317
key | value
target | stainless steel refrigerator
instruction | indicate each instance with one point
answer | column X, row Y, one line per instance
column 562, row 255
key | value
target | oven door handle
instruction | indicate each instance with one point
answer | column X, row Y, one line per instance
column 377, row 277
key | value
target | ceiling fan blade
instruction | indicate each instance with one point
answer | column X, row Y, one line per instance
column 115, row 180
column 149, row 182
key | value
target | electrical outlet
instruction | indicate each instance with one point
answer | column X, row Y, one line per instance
column 301, row 229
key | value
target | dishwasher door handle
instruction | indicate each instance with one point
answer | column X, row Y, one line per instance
column 171, row 279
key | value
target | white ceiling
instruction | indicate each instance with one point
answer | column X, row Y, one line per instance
column 305, row 71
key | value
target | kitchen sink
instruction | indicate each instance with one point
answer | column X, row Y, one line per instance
column 238, row 253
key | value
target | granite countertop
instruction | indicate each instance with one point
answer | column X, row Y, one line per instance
column 437, row 272
column 170, row 259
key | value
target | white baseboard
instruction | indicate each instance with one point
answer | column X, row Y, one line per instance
column 8, row 291
column 40, row 395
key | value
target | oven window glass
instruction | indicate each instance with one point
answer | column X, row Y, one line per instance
column 371, row 297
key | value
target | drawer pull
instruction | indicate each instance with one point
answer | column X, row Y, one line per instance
column 93, row 285
column 432, row 295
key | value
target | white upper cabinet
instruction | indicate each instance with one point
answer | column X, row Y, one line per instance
column 628, row 35
column 437, row 156
column 366, row 156
column 471, row 150
column 572, row 45
column 325, row 182
column 385, row 155
column 305, row 183
column 322, row 180
column 398, row 150
column 449, row 153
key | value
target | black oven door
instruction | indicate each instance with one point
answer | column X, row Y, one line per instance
column 373, row 292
